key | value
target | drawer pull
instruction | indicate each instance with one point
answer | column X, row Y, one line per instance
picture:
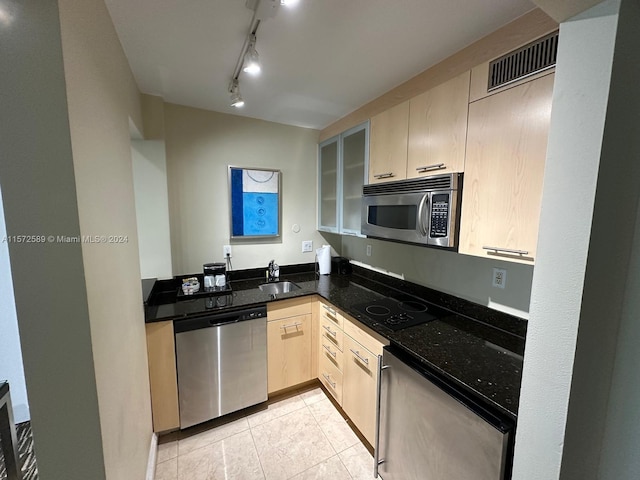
column 329, row 309
column 428, row 168
column 360, row 357
column 326, row 347
column 506, row 250
column 326, row 377
column 384, row 175
column 296, row 325
column 329, row 330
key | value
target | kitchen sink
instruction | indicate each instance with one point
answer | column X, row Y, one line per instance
column 277, row 288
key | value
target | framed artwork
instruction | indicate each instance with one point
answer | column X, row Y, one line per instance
column 255, row 202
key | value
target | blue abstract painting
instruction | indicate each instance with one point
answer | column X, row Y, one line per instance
column 255, row 202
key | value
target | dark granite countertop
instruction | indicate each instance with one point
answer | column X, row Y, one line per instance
column 476, row 348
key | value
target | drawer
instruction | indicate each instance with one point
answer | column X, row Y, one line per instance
column 330, row 377
column 291, row 307
column 364, row 336
column 361, row 356
column 330, row 313
column 331, row 332
column 334, row 355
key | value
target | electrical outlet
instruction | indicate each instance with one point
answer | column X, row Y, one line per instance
column 499, row 277
column 307, row 246
column 368, row 250
column 226, row 251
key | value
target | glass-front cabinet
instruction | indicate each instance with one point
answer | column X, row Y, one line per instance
column 343, row 169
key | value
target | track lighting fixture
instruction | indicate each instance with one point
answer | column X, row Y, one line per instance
column 251, row 58
column 236, row 98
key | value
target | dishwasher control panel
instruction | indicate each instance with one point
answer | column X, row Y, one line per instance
column 220, row 318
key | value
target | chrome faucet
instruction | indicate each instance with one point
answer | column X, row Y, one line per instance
column 273, row 272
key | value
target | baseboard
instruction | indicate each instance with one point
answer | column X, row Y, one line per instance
column 153, row 456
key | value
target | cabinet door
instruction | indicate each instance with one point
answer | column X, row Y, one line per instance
column 328, row 185
column 359, row 387
column 506, row 151
column 355, row 154
column 388, row 144
column 163, row 378
column 288, row 352
column 438, row 128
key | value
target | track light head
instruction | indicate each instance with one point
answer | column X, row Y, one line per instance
column 236, row 98
column 251, row 63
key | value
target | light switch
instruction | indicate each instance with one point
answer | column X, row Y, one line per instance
column 307, row 246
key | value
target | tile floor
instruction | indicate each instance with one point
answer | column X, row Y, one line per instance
column 301, row 437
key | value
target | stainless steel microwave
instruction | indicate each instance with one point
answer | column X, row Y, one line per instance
column 424, row 211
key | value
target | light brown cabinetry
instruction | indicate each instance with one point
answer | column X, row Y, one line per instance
column 438, row 128
column 289, row 332
column 506, row 151
column 359, row 386
column 388, row 137
column 348, row 366
column 163, row 378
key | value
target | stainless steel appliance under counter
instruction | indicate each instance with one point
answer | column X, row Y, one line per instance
column 428, row 429
column 222, row 364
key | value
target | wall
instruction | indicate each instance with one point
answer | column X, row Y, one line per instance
column 152, row 208
column 461, row 275
column 11, row 368
column 576, row 316
column 200, row 145
column 102, row 98
column 39, row 198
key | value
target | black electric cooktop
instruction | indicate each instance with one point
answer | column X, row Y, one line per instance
column 399, row 313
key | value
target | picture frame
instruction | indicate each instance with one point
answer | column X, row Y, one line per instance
column 255, row 196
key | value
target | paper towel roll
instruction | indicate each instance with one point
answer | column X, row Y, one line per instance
column 324, row 259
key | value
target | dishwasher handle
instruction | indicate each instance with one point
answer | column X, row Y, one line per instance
column 218, row 319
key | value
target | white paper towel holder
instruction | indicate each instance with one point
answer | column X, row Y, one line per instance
column 323, row 258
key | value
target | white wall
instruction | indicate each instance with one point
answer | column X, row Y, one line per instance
column 102, row 98
column 461, row 275
column 587, row 225
column 11, row 367
column 152, row 208
column 200, row 145
column 39, row 198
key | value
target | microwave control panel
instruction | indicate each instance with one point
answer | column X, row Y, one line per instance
column 439, row 215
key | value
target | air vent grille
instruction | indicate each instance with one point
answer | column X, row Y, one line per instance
column 436, row 182
column 526, row 61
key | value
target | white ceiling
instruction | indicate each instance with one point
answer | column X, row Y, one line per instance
column 321, row 60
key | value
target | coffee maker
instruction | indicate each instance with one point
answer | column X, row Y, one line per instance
column 215, row 276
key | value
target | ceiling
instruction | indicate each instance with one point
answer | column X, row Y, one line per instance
column 321, row 59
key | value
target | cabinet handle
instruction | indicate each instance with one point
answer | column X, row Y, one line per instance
column 326, row 377
column 384, row 175
column 376, row 448
column 360, row 357
column 427, row 168
column 296, row 325
column 329, row 330
column 506, row 250
column 329, row 309
column 326, row 347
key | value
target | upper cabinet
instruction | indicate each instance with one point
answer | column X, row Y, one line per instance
column 506, row 151
column 389, row 136
column 328, row 185
column 343, row 163
column 422, row 136
column 438, row 128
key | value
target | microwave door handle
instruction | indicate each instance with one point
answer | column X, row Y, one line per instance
column 422, row 224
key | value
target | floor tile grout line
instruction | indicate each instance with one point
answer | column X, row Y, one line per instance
column 212, row 443
column 255, row 448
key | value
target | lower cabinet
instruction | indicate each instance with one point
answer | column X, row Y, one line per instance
column 163, row 379
column 348, row 366
column 359, row 387
column 289, row 349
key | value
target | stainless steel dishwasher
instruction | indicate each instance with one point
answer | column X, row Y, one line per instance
column 222, row 363
column 430, row 429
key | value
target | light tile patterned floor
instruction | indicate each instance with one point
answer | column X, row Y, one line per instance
column 301, row 437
